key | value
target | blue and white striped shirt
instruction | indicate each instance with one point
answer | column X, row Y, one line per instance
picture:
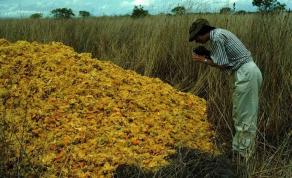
column 227, row 50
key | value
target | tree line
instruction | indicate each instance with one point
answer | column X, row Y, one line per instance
column 62, row 13
column 264, row 6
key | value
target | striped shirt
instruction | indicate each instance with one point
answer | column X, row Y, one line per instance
column 227, row 50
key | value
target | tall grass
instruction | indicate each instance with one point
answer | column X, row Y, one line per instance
column 158, row 46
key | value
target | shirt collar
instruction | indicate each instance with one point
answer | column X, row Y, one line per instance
column 212, row 34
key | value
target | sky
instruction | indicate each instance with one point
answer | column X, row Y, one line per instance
column 23, row 8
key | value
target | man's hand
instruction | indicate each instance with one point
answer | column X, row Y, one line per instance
column 201, row 50
column 203, row 59
column 198, row 58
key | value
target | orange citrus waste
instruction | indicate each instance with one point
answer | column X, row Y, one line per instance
column 71, row 115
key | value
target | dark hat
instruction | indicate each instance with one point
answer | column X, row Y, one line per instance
column 196, row 27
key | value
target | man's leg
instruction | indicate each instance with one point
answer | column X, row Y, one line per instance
column 245, row 108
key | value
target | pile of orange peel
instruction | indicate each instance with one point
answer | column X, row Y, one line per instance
column 76, row 116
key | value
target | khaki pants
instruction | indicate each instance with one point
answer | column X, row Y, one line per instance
column 248, row 80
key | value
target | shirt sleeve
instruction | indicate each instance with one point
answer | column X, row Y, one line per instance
column 218, row 53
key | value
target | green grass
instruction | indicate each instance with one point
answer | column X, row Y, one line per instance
column 158, row 46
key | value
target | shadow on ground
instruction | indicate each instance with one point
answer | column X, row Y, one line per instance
column 186, row 163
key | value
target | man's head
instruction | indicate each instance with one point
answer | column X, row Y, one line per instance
column 200, row 31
